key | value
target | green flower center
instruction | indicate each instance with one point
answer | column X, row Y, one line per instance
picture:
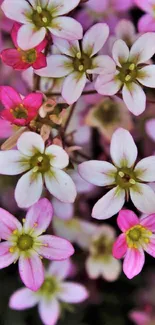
column 101, row 246
column 41, row 17
column 29, row 56
column 25, row 242
column 127, row 73
column 20, row 112
column 82, row 62
column 107, row 112
column 40, row 163
column 137, row 236
column 125, row 178
column 49, row 287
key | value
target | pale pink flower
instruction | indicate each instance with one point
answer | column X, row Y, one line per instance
column 125, row 178
column 150, row 128
column 42, row 164
column 147, row 22
column 77, row 63
column 131, row 72
column 26, row 243
column 54, row 291
column 138, row 236
column 126, row 31
column 142, row 318
column 41, row 16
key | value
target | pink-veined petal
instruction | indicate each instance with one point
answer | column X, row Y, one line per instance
column 123, row 149
column 134, row 98
column 101, row 64
column 73, row 293
column 67, row 28
column 146, row 24
column 149, row 222
column 57, row 66
column 133, row 262
column 31, row 271
column 107, row 84
column 146, row 76
column 70, row 48
column 23, row 299
column 73, row 86
column 28, row 37
column 96, row 172
column 60, row 269
column 12, row 57
column 109, row 204
column 40, row 62
column 143, row 49
column 127, row 219
column 145, row 169
column 120, row 247
column 6, row 258
column 12, row 162
column 9, row 97
column 55, row 248
column 61, row 7
column 33, row 101
column 143, row 197
column 120, row 52
column 95, row 38
column 8, row 223
column 49, row 311
column 30, row 143
column 20, row 14
column 59, row 157
column 150, row 247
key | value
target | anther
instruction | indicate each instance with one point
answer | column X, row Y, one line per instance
column 132, row 181
column 44, row 19
column 132, row 67
column 40, row 159
column 23, row 220
column 11, row 249
column 15, row 232
column 39, row 9
column 81, row 67
column 128, row 77
column 35, row 169
column 121, row 174
column 78, row 55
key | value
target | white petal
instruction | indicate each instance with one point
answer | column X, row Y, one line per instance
column 125, row 29
column 73, row 87
column 111, row 269
column 60, row 158
column 61, row 7
column 60, row 269
column 143, row 197
column 60, row 185
column 73, row 292
column 96, row 172
column 95, row 38
column 28, row 189
column 28, row 38
column 22, row 8
column 49, row 311
column 70, row 48
column 57, row 66
column 23, row 299
column 43, row 3
column 12, row 162
column 107, row 84
column 102, row 64
column 109, row 204
column 146, row 76
column 134, row 98
column 93, row 267
column 145, row 169
column 120, row 52
column 29, row 143
column 143, row 49
column 67, row 28
column 123, row 149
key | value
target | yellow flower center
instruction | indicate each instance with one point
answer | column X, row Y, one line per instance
column 19, row 112
column 138, row 236
column 128, row 72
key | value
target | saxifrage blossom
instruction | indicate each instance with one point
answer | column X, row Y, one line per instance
column 125, row 178
column 77, row 63
column 138, row 236
column 19, row 59
column 18, row 110
column 42, row 164
column 54, row 291
column 26, row 243
column 131, row 72
column 41, row 16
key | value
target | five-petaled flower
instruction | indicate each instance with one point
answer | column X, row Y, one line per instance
column 126, row 178
column 138, row 236
column 25, row 242
column 19, row 59
column 42, row 164
column 54, row 291
column 131, row 72
column 40, row 16
column 18, row 110
column 77, row 63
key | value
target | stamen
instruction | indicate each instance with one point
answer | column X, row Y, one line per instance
column 12, row 249
column 23, row 220
column 81, row 67
column 40, row 159
column 35, row 169
column 132, row 181
column 39, row 9
column 121, row 174
column 44, row 19
column 78, row 55
column 15, row 232
column 132, row 67
column 128, row 77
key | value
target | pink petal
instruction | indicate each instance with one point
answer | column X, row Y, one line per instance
column 12, row 57
column 9, row 97
column 95, row 38
column 150, row 247
column 133, row 262
column 41, row 46
column 8, row 223
column 49, row 311
column 67, row 28
column 6, row 129
column 134, row 98
column 6, row 258
column 60, row 269
column 98, row 5
column 22, row 8
column 150, row 127
column 120, row 247
column 57, row 248
column 39, row 217
column 143, row 49
column 29, row 38
column 40, row 62
column 107, row 84
column 33, row 101
column 23, row 299
column 127, row 219
column 73, row 86
column 120, row 52
column 62, row 7
column 14, row 33
column 60, row 207
column 145, row 5
column 73, row 293
column 146, row 24
column 149, row 222
column 59, row 157
column 57, row 66
column 31, row 271
column 140, row 318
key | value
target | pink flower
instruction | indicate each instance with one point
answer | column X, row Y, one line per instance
column 54, row 291
column 131, row 72
column 24, row 242
column 39, row 17
column 142, row 318
column 19, row 59
column 17, row 110
column 125, row 178
column 76, row 63
column 150, row 128
column 126, row 31
column 138, row 236
column 42, row 164
column 147, row 22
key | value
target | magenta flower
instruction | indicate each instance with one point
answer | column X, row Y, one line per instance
column 17, row 110
column 41, row 16
column 142, row 317
column 147, row 22
column 26, row 243
column 53, row 292
column 138, row 236
column 19, row 59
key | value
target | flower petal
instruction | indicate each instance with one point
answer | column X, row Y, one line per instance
column 150, row 127
column 150, row 247
column 101, row 64
column 143, row 49
column 57, row 66
column 28, row 189
column 123, row 149
column 60, row 207
column 120, row 52
column 60, row 185
column 109, row 204
column 145, row 169
column 55, row 248
column 127, row 219
column 8, row 223
column 59, row 157
column 23, row 299
column 12, row 57
column 111, row 269
column 67, row 28
column 61, row 7
column 60, row 269
column 49, row 311
column 144, row 5
column 95, row 38
column 140, row 317
column 149, row 222
column 133, row 262
column 30, row 143
column 146, row 76
column 134, row 98
column 31, row 271
column 73, row 86
column 28, row 37
column 146, row 23
column 107, row 84
column 39, row 217
column 120, row 247
column 20, row 14
column 9, row 97
column 12, row 162
column 6, row 258
column 96, row 172
column 33, row 101
column 93, row 267
column 143, row 197
column 70, row 48
column 73, row 293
